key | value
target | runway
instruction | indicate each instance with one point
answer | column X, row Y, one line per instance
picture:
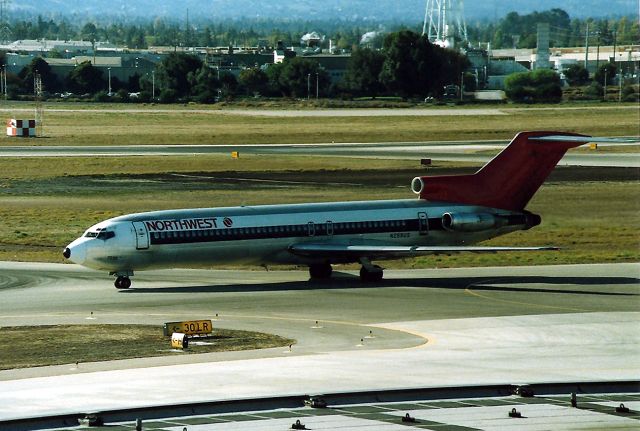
column 419, row 328
column 465, row 151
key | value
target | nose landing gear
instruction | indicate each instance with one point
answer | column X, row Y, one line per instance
column 122, row 282
column 122, row 279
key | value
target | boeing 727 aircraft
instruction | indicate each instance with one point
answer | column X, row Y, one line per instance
column 451, row 214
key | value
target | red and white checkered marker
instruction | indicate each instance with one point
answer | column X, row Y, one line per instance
column 21, row 128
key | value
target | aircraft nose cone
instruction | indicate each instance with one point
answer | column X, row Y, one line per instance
column 76, row 252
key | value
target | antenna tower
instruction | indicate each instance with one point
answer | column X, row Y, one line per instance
column 37, row 93
column 444, row 22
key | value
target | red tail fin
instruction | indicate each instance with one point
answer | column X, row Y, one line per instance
column 508, row 181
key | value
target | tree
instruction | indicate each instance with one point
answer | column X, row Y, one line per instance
column 363, row 71
column 298, row 77
column 85, row 78
column 168, row 95
column 539, row 86
column 401, row 72
column 273, row 72
column 470, row 82
column 253, row 80
column 228, row 84
column 605, row 71
column 594, row 90
column 133, row 83
column 89, row 32
column 576, row 74
column 40, row 66
column 415, row 67
column 176, row 72
column 206, row 85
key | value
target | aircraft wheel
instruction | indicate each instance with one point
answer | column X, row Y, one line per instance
column 320, row 271
column 371, row 275
column 123, row 283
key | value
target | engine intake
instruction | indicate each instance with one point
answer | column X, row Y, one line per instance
column 417, row 185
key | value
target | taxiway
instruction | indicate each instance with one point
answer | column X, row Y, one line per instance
column 419, row 328
column 462, row 151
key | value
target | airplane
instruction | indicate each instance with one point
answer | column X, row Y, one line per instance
column 451, row 214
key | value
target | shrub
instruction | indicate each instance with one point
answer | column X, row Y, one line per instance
column 539, row 86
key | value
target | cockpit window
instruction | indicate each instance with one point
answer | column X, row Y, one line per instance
column 106, row 234
column 100, row 233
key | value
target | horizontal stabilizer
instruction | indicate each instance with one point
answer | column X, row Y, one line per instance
column 353, row 252
column 587, row 139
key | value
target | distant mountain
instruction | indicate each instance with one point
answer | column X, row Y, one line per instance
column 407, row 11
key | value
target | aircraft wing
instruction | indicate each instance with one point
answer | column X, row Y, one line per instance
column 345, row 251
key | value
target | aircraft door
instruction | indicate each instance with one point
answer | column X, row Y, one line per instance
column 423, row 223
column 329, row 228
column 142, row 236
column 312, row 228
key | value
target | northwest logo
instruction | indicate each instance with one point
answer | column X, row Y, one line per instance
column 227, row 222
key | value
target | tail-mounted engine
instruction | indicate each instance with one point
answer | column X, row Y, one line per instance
column 471, row 222
column 476, row 222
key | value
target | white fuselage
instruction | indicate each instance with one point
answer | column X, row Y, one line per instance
column 264, row 234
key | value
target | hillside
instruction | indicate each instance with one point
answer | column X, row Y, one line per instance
column 361, row 10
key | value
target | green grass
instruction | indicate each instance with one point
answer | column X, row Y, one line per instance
column 36, row 346
column 106, row 124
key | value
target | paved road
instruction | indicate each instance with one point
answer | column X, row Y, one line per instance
column 428, row 328
column 288, row 113
column 443, row 151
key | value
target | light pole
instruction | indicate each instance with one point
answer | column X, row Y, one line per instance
column 317, row 86
column 586, row 48
column 620, row 79
column 153, row 85
column 604, row 95
column 598, row 52
column 516, row 39
column 109, row 70
column 308, row 86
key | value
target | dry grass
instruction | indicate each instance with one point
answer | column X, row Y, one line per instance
column 104, row 125
column 36, row 346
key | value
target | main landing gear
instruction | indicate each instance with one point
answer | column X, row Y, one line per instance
column 371, row 273
column 320, row 271
column 368, row 272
